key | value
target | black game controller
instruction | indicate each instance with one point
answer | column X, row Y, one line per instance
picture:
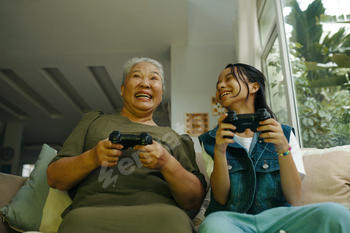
column 246, row 121
column 130, row 140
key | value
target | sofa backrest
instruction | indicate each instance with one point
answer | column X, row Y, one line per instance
column 327, row 175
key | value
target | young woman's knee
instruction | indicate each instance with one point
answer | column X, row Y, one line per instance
column 331, row 209
column 222, row 222
column 334, row 216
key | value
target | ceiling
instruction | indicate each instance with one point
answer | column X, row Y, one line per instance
column 61, row 59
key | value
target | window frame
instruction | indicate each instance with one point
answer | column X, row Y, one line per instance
column 278, row 30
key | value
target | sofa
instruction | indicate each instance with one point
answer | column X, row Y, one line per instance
column 29, row 204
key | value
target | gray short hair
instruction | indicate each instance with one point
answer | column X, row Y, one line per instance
column 133, row 61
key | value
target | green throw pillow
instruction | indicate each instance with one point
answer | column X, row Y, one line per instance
column 36, row 206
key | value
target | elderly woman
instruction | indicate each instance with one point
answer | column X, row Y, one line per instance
column 147, row 188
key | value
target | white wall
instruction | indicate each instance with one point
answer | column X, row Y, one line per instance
column 194, row 72
column 196, row 66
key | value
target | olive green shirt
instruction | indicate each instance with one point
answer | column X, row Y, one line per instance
column 127, row 183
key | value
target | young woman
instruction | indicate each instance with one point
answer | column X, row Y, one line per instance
column 256, row 176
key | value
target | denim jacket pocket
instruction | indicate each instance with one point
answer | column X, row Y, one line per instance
column 269, row 181
column 238, row 172
column 267, row 166
column 235, row 166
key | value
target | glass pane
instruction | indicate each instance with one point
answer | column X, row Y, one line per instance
column 276, row 87
column 319, row 51
column 267, row 20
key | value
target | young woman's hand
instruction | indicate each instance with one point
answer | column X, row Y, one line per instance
column 224, row 135
column 272, row 132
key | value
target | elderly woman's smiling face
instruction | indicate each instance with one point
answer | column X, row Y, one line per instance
column 143, row 88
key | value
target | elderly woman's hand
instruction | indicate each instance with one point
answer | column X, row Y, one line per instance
column 153, row 156
column 106, row 153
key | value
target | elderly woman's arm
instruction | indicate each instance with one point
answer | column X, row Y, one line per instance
column 67, row 172
column 186, row 188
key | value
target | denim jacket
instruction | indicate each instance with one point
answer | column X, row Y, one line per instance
column 254, row 177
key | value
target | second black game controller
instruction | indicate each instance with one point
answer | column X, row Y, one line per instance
column 246, row 121
column 130, row 140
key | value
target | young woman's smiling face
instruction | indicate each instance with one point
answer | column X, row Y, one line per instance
column 233, row 94
column 229, row 89
column 143, row 88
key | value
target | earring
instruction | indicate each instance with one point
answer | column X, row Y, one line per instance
column 121, row 94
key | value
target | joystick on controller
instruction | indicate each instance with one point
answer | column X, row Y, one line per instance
column 246, row 121
column 130, row 140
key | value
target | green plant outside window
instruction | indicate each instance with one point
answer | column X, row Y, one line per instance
column 319, row 52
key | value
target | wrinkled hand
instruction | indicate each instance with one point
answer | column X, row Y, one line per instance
column 153, row 156
column 224, row 135
column 274, row 134
column 106, row 153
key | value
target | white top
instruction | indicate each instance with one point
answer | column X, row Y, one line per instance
column 296, row 153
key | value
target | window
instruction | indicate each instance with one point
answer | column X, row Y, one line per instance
column 267, row 21
column 317, row 47
column 276, row 88
column 27, row 169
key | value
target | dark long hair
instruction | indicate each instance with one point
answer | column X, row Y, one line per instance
column 243, row 72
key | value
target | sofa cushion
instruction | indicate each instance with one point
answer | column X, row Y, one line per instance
column 327, row 176
column 9, row 185
column 37, row 207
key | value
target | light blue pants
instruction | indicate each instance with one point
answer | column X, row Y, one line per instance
column 315, row 218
